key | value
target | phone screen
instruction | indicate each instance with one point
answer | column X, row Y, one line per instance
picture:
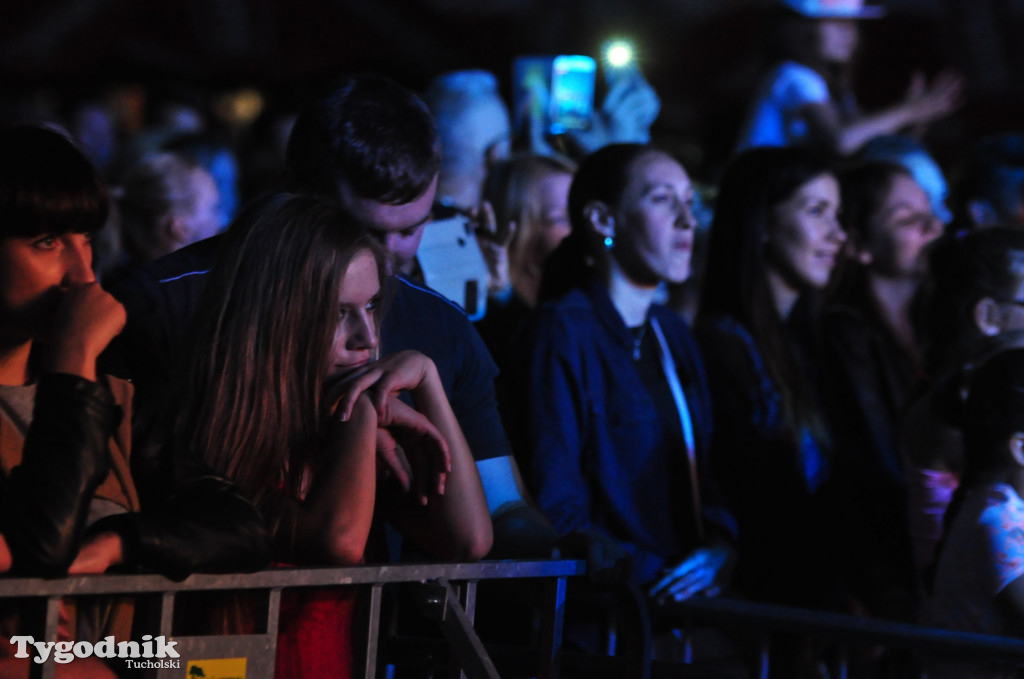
column 572, row 92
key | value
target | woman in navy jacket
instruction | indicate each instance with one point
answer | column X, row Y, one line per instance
column 613, row 410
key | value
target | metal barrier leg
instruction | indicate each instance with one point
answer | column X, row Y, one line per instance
column 844, row 661
column 552, row 625
column 467, row 598
column 47, row 669
column 373, row 631
column 441, row 603
column 764, row 661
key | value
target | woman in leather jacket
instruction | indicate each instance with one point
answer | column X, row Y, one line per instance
column 73, row 497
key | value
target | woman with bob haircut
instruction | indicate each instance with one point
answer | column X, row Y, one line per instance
column 74, row 496
column 286, row 395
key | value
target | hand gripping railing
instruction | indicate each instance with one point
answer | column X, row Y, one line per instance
column 453, row 605
column 844, row 630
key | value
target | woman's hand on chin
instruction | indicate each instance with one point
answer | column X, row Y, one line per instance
column 392, row 374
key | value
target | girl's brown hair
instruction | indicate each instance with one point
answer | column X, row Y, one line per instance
column 253, row 392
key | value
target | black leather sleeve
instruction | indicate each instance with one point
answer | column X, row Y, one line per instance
column 45, row 504
column 191, row 519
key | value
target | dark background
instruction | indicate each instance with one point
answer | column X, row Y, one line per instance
column 702, row 56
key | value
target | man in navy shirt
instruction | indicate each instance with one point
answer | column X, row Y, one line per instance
column 372, row 145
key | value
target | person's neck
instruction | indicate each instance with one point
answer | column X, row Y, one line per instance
column 894, row 297
column 14, row 364
column 783, row 292
column 632, row 300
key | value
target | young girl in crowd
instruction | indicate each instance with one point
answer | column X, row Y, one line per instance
column 612, row 403
column 978, row 583
column 971, row 306
column 75, row 498
column 529, row 195
column 807, row 99
column 774, row 242
column 872, row 362
column 285, row 394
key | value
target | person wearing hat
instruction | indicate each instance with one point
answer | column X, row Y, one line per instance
column 807, row 98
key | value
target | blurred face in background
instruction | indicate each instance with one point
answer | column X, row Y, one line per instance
column 901, row 229
column 838, row 40
column 202, row 215
column 545, row 224
column 804, row 238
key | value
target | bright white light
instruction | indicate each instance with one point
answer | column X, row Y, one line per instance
column 618, row 54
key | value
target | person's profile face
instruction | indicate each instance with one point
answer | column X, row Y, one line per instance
column 551, row 221
column 399, row 228
column 204, row 217
column 654, row 222
column 901, row 229
column 804, row 238
column 355, row 336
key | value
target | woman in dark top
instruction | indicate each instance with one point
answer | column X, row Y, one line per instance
column 613, row 410
column 872, row 362
column 774, row 242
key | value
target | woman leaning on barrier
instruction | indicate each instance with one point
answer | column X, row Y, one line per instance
column 73, row 497
column 285, row 394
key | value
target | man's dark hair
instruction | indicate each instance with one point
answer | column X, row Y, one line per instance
column 47, row 185
column 370, row 132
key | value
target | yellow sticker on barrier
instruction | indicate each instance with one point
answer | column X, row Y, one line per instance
column 220, row 668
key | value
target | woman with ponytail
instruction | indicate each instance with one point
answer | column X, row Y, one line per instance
column 612, row 405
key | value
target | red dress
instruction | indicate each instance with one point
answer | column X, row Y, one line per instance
column 314, row 636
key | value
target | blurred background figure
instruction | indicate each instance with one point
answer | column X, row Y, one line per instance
column 871, row 363
column 473, row 122
column 978, row 584
column 992, row 185
column 970, row 307
column 167, row 201
column 529, row 196
column 808, row 99
column 915, row 159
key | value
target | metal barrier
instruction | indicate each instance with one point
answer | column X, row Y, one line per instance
column 452, row 598
column 844, row 630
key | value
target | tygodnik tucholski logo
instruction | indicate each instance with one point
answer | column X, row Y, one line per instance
column 136, row 655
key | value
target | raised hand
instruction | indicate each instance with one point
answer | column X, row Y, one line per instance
column 944, row 96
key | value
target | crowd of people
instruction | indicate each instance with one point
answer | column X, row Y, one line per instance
column 800, row 384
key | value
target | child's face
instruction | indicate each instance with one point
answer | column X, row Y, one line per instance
column 34, row 272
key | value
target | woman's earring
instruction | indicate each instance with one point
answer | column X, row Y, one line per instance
column 609, row 243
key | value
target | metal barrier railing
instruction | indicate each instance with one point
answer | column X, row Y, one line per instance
column 453, row 598
column 845, row 631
